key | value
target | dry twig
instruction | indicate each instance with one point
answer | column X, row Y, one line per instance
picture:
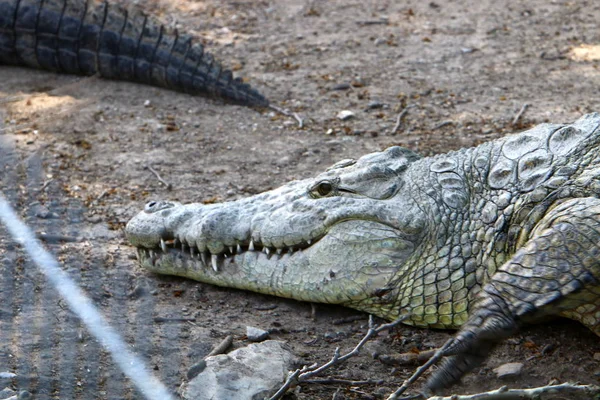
column 288, row 114
column 304, row 374
column 221, row 347
column 400, row 118
column 381, row 21
column 160, row 179
column 349, row 382
column 442, row 124
column 407, row 358
column 503, row 393
column 421, row 370
column 520, row 114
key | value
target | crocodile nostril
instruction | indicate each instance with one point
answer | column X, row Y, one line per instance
column 150, row 206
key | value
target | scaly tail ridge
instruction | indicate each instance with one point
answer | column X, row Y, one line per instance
column 91, row 37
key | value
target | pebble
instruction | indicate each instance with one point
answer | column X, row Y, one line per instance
column 7, row 375
column 341, row 86
column 139, row 291
column 147, row 103
column 509, row 371
column 256, row 334
column 374, row 104
column 345, row 115
column 7, row 392
column 24, row 395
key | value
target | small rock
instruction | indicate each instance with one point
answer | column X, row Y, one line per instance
column 379, row 41
column 147, row 103
column 374, row 104
column 358, row 82
column 345, row 115
column 256, row 334
column 341, row 86
column 597, row 356
column 42, row 212
column 509, row 371
column 139, row 291
column 329, row 335
column 7, row 375
column 6, row 393
column 253, row 372
column 24, row 395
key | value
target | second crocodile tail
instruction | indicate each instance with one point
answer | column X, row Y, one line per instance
column 89, row 37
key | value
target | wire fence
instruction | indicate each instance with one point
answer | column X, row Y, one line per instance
column 55, row 341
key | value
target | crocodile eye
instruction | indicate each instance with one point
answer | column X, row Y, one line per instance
column 322, row 189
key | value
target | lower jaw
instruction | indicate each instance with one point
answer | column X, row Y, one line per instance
column 254, row 271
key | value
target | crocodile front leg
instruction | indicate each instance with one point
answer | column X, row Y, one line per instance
column 556, row 273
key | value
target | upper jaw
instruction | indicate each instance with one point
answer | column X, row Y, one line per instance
column 203, row 230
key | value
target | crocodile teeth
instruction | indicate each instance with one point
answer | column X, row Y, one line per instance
column 309, row 242
column 291, row 250
column 239, row 249
column 251, row 245
column 152, row 253
column 192, row 251
column 163, row 245
column 267, row 251
column 204, row 258
column 279, row 251
column 231, row 249
column 214, row 261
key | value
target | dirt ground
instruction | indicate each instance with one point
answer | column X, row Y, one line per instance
column 75, row 155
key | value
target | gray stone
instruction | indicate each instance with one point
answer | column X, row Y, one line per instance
column 509, row 371
column 249, row 373
column 345, row 115
column 6, row 393
column 256, row 334
column 24, row 395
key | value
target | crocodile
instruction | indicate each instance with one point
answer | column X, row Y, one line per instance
column 483, row 240
column 91, row 37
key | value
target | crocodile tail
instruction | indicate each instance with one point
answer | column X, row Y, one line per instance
column 90, row 37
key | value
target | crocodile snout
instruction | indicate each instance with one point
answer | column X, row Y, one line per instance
column 148, row 227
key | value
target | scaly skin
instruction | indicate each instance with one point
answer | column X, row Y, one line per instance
column 89, row 37
column 482, row 239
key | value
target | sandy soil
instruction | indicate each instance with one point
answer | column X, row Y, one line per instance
column 75, row 156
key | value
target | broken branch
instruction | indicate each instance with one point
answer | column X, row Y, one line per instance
column 520, row 114
column 421, row 370
column 304, row 374
column 288, row 114
column 503, row 393
column 221, row 347
column 400, row 118
column 160, row 179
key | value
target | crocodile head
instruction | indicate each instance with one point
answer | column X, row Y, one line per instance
column 339, row 238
